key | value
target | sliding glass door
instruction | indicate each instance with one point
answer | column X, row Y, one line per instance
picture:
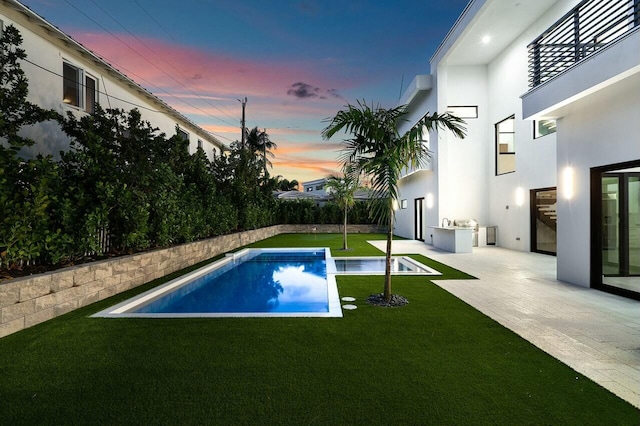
column 618, row 223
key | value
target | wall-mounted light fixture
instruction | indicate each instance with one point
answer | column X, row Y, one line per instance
column 395, row 204
column 567, row 183
column 429, row 200
column 519, row 196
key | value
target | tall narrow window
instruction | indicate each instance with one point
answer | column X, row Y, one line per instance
column 71, row 86
column 505, row 146
column 90, row 88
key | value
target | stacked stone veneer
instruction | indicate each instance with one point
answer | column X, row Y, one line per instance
column 31, row 300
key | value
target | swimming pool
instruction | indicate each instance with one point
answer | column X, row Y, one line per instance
column 260, row 283
column 252, row 282
column 402, row 265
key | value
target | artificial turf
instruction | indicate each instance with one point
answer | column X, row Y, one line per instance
column 433, row 361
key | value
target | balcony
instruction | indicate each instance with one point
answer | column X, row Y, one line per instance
column 587, row 28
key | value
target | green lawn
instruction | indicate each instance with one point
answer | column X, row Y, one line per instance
column 433, row 361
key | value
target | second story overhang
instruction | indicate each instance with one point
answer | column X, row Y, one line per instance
column 586, row 51
column 484, row 29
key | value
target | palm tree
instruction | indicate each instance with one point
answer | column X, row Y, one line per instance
column 378, row 150
column 259, row 143
column 342, row 190
column 278, row 183
column 289, row 185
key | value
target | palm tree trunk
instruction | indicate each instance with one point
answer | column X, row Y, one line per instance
column 387, row 269
column 344, row 231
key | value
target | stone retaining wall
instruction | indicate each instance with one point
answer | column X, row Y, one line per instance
column 31, row 300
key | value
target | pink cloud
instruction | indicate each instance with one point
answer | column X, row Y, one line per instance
column 204, row 72
column 283, row 150
column 202, row 85
column 306, row 170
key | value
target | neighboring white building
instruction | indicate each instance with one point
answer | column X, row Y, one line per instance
column 318, row 189
column 65, row 76
column 315, row 187
column 550, row 91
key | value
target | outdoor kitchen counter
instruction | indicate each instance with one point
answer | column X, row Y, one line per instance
column 451, row 238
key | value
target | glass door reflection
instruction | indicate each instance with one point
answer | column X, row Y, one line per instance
column 544, row 220
column 620, row 227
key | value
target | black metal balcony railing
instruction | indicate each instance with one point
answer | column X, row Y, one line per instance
column 588, row 27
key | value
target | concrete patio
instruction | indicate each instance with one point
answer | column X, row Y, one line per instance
column 595, row 333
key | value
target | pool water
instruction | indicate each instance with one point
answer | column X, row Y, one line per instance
column 252, row 282
column 268, row 282
column 376, row 265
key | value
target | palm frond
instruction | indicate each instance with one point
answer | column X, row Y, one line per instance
column 444, row 121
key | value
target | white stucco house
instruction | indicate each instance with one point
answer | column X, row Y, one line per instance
column 316, row 187
column 65, row 76
column 550, row 91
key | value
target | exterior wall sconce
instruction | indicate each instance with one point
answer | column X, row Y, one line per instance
column 567, row 183
column 519, row 196
column 395, row 205
column 429, row 200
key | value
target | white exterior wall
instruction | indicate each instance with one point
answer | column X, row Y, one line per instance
column 598, row 130
column 421, row 183
column 45, row 89
column 463, row 179
column 463, row 189
column 535, row 158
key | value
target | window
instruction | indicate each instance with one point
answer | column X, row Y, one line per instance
column 505, row 146
column 543, row 128
column 79, row 89
column 463, row 111
column 91, row 88
column 309, row 188
column 199, row 143
column 319, row 187
column 71, row 85
column 183, row 135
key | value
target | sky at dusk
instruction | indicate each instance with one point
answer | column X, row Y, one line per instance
column 297, row 62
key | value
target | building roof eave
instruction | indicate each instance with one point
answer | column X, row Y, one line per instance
column 71, row 43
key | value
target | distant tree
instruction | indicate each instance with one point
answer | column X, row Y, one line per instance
column 237, row 174
column 342, row 191
column 259, row 143
column 378, row 150
column 285, row 184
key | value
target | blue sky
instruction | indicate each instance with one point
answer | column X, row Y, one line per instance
column 297, row 62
